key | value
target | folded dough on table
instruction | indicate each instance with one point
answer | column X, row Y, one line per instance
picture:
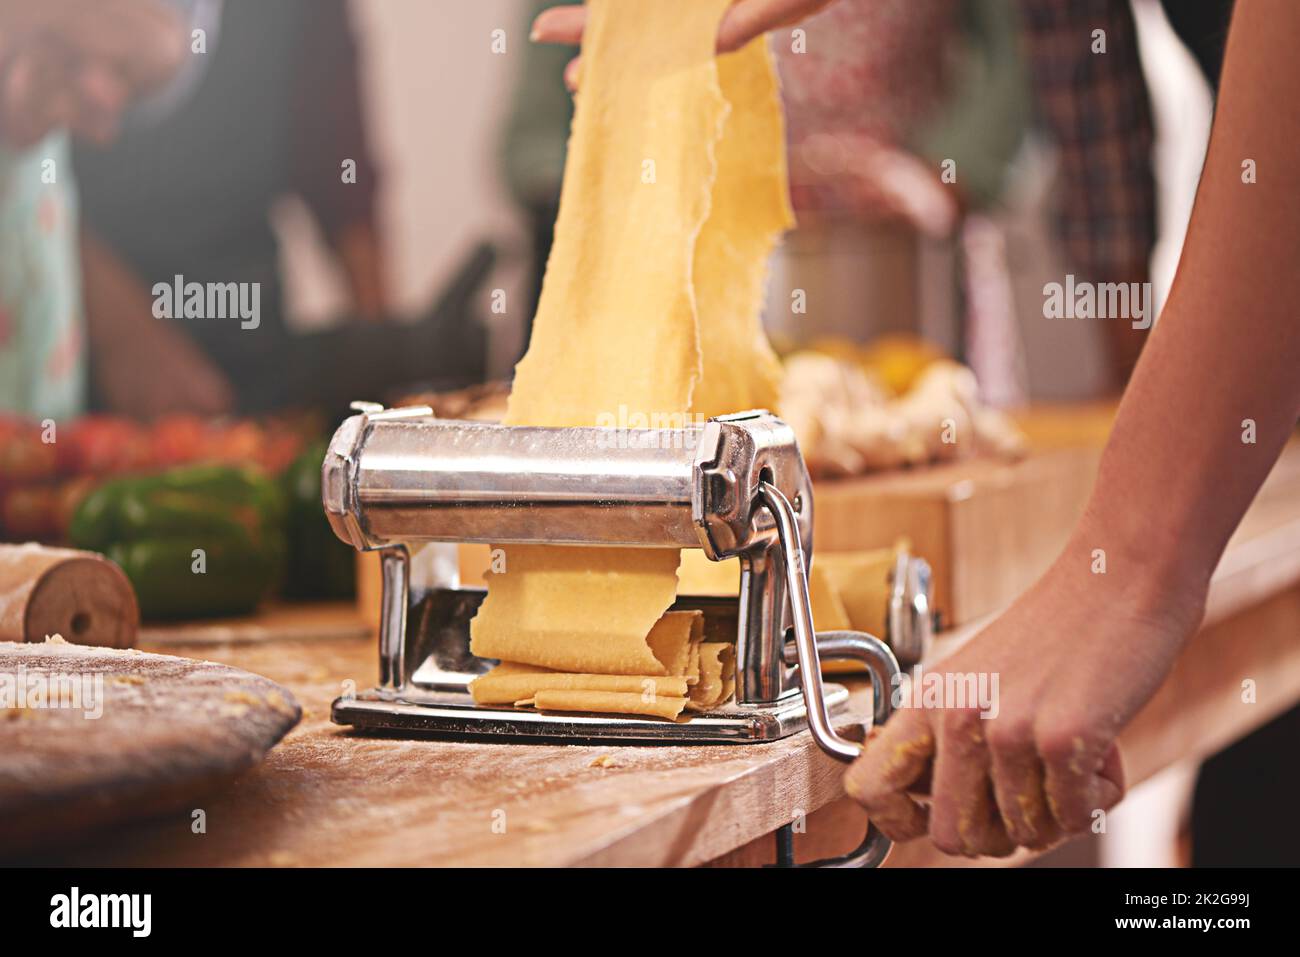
column 711, row 684
column 696, row 674
column 674, row 193
column 848, row 590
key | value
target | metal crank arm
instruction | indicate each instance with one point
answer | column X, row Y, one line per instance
column 871, row 651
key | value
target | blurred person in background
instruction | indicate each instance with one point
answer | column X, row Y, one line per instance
column 67, row 67
column 1093, row 102
column 271, row 107
column 858, row 81
column 903, row 119
column 882, row 94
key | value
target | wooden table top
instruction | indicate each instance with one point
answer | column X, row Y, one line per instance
column 326, row 796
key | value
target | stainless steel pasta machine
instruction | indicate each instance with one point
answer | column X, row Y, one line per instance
column 734, row 486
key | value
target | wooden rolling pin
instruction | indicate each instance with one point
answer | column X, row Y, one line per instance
column 58, row 591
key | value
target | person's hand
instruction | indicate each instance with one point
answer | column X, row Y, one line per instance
column 743, row 21
column 143, row 39
column 361, row 254
column 76, row 64
column 161, row 372
column 44, row 88
column 1075, row 659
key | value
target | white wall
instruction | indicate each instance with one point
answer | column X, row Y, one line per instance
column 1182, row 105
column 436, row 97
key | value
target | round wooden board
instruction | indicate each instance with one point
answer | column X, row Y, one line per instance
column 170, row 730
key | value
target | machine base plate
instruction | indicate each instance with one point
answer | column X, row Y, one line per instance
column 454, row 715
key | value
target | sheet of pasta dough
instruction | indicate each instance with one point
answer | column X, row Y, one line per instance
column 751, row 208
column 640, row 265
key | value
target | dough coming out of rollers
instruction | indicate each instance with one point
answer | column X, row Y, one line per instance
column 848, row 590
column 675, row 191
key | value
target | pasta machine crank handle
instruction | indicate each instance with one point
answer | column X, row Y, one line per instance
column 863, row 647
column 856, row 645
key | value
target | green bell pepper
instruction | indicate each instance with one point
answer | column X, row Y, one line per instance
column 151, row 526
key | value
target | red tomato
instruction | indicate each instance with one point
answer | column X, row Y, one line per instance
column 179, row 439
column 30, row 512
column 237, row 443
column 24, row 456
column 104, row 445
column 278, row 451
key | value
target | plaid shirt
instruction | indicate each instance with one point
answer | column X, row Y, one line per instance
column 1095, row 105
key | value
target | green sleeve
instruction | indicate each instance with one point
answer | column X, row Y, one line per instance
column 983, row 124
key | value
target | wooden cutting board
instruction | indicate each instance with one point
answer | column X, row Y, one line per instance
column 988, row 528
column 147, row 735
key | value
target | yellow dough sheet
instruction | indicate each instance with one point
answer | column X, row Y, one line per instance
column 860, row 584
column 671, row 203
column 585, row 610
column 709, row 682
column 751, row 208
column 849, row 590
column 829, row 613
column 717, row 676
column 674, row 641
column 507, row 689
column 700, row 576
column 609, row 702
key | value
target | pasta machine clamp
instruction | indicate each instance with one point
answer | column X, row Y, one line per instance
column 734, row 486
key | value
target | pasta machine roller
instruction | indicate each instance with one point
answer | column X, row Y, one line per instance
column 734, row 486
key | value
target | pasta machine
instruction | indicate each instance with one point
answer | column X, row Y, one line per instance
column 734, row 486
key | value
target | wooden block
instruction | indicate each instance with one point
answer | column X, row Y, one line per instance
column 1065, row 425
column 987, row 528
column 80, row 596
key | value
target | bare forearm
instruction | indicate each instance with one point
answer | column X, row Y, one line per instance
column 359, row 251
column 144, row 366
column 1223, row 365
column 117, row 304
